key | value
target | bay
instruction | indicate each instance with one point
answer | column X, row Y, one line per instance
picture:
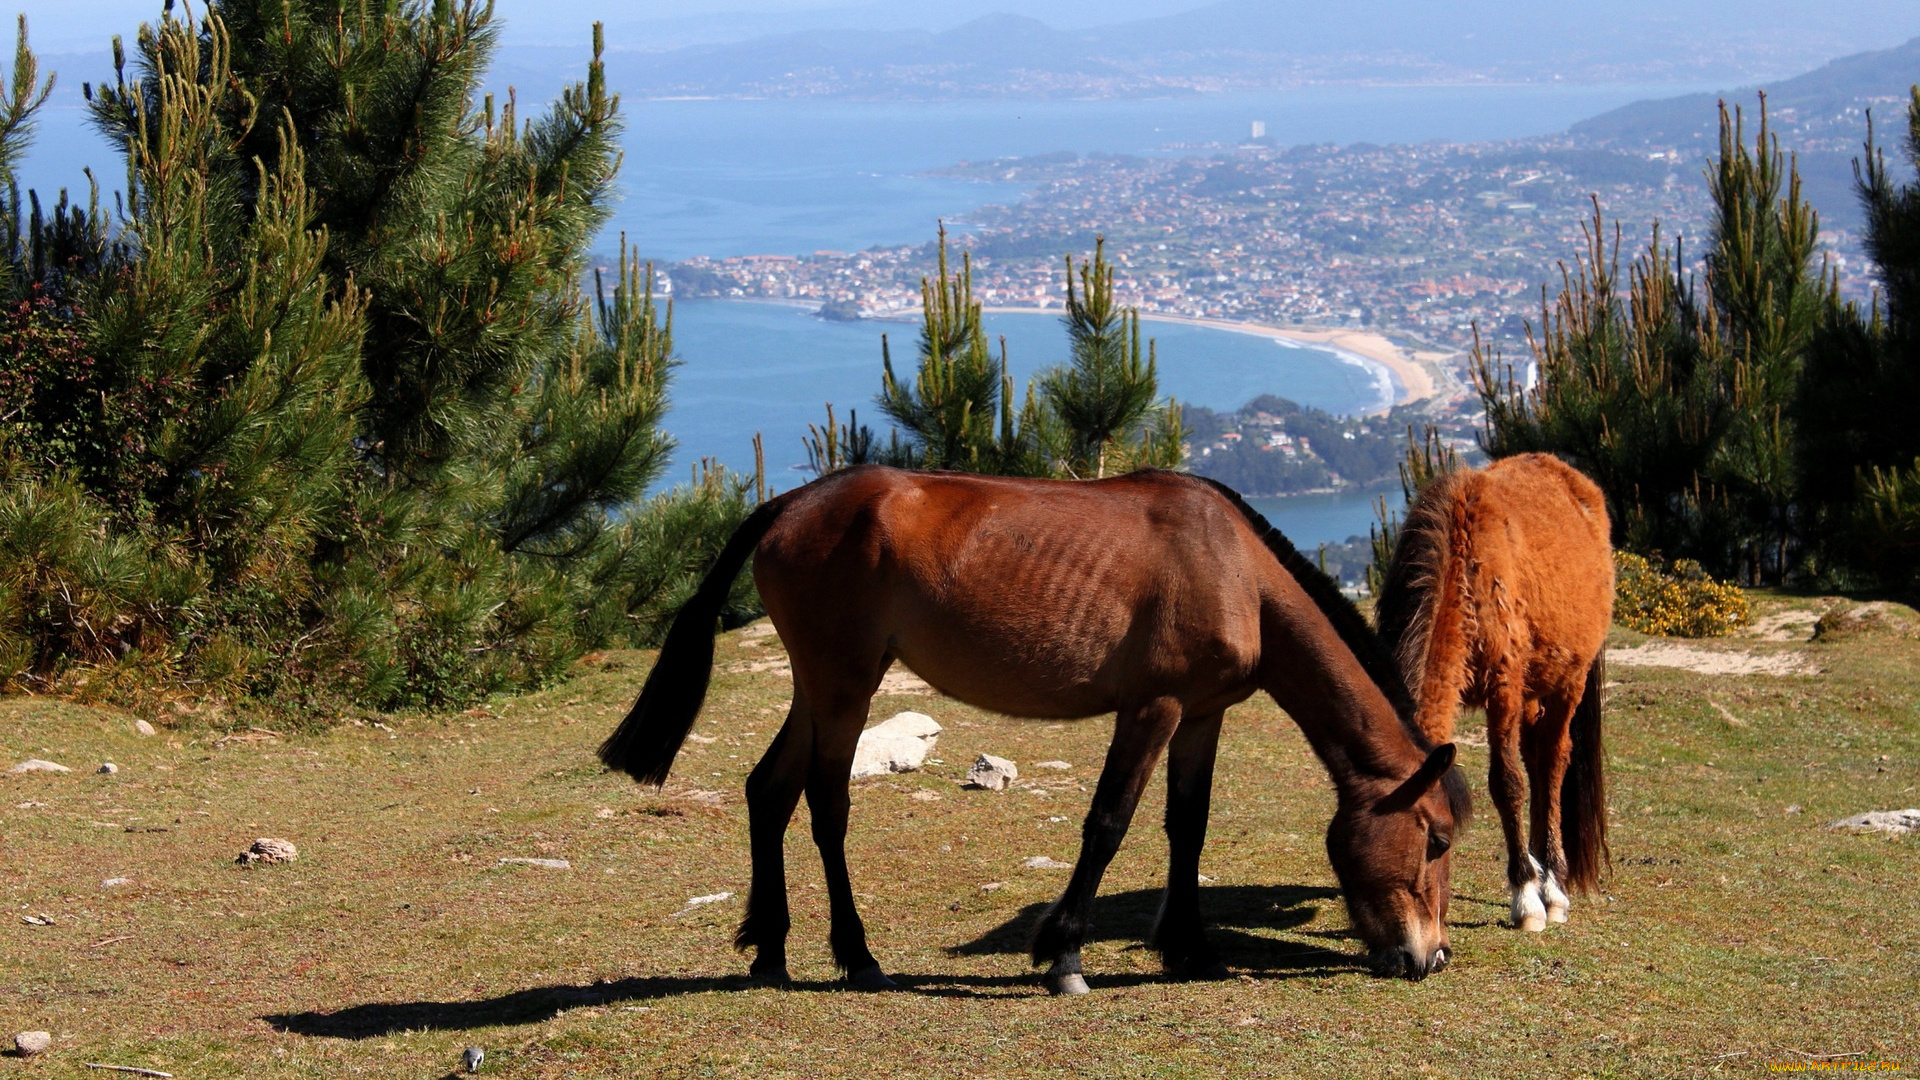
column 751, row 367
column 725, row 177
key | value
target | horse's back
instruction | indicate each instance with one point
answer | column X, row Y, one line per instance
column 1029, row 596
column 1542, row 537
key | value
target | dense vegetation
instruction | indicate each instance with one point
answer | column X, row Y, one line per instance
column 322, row 415
column 1273, row 446
column 1746, row 418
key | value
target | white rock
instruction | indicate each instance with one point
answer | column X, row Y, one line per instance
column 992, row 773
column 36, row 765
column 1897, row 822
column 269, row 850
column 702, row 901
column 546, row 864
column 142, row 727
column 1042, row 862
column 114, row 882
column 898, row 744
column 29, row 1043
column 1051, row 765
column 108, row 768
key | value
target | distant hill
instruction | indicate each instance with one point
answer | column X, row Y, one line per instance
column 1824, row 109
column 1820, row 116
column 1243, row 44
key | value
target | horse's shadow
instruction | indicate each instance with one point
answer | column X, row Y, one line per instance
column 1234, row 914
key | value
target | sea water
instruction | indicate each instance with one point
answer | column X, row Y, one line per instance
column 791, row 177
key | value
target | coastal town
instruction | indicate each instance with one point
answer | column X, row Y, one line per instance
column 1424, row 243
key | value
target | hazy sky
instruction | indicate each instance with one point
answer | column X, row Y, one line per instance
column 72, row 25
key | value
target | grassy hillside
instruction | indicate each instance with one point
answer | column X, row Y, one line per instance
column 1735, row 930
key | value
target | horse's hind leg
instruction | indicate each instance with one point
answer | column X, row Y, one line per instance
column 1547, row 744
column 773, row 790
column 1178, row 932
column 1139, row 737
column 1506, row 783
column 836, row 735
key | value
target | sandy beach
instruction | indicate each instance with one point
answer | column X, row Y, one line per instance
column 1412, row 381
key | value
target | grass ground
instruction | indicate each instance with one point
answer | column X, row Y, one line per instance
column 1735, row 931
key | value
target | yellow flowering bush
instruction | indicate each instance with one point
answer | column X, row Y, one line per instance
column 1682, row 601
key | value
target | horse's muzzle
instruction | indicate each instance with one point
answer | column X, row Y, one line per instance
column 1399, row 962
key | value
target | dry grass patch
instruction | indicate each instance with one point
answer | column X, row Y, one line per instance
column 1735, row 929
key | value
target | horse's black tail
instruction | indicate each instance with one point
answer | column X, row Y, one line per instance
column 645, row 743
column 1583, row 792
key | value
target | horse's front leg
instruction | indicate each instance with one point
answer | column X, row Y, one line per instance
column 1178, row 933
column 1506, row 784
column 1139, row 737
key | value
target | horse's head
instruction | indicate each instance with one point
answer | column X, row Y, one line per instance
column 1390, row 849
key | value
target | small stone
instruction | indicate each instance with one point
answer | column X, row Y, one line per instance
column 36, row 765
column 108, row 768
column 1042, row 862
column 115, row 882
column 545, row 864
column 1793, row 808
column 897, row 744
column 269, row 850
column 702, row 901
column 992, row 773
column 1061, row 765
column 29, row 1043
column 1896, row 822
column 142, row 727
column 993, row 886
column 602, row 813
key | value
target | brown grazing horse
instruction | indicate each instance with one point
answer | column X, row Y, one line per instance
column 1153, row 595
column 1499, row 596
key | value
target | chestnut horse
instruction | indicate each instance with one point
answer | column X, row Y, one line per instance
column 1499, row 596
column 1154, row 595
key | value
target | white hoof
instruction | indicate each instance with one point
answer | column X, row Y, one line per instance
column 1529, row 911
column 1555, row 899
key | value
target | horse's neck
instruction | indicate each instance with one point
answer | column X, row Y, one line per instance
column 1347, row 719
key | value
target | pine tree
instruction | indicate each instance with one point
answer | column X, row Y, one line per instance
column 1771, row 299
column 1678, row 401
column 382, row 433
column 1858, row 459
column 958, row 412
column 1106, row 396
column 1094, row 415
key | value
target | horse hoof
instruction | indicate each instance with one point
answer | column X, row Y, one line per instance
column 1556, row 914
column 1066, row 985
column 1533, row 922
column 770, row 976
column 871, row 978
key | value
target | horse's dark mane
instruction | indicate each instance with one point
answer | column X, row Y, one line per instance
column 1410, row 583
column 1366, row 646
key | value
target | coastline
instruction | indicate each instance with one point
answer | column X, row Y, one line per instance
column 1404, row 377
column 1408, row 379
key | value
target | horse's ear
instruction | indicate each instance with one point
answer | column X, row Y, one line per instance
column 1422, row 781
